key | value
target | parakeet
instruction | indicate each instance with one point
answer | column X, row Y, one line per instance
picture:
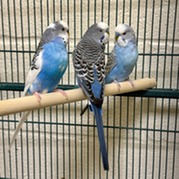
column 48, row 65
column 122, row 58
column 124, row 55
column 89, row 64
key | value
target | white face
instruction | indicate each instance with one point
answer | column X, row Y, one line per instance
column 64, row 24
column 105, row 28
column 124, row 34
column 103, row 25
column 63, row 30
column 106, row 38
column 121, row 42
column 65, row 37
column 51, row 26
column 65, row 34
column 121, row 28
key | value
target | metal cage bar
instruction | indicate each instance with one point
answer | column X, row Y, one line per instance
column 141, row 128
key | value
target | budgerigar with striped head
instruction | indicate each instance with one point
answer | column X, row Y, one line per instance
column 89, row 64
column 48, row 65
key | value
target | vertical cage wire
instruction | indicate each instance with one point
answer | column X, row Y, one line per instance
column 141, row 132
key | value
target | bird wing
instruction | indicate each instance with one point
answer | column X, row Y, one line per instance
column 111, row 63
column 90, row 71
column 35, row 68
column 89, row 62
column 33, row 72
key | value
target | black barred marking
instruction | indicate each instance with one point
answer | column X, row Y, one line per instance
column 87, row 56
column 33, row 65
column 34, row 68
column 111, row 62
column 34, row 60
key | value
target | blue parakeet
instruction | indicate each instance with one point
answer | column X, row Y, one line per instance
column 122, row 58
column 48, row 65
column 89, row 64
column 124, row 55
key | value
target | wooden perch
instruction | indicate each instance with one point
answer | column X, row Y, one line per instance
column 27, row 103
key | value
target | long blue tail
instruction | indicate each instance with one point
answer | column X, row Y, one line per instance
column 98, row 116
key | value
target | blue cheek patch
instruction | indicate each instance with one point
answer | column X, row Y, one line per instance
column 101, row 39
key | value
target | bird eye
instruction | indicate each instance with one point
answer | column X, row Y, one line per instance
column 63, row 29
column 124, row 33
column 100, row 30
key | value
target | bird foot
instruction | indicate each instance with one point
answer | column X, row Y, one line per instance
column 84, row 109
column 131, row 83
column 38, row 96
column 62, row 92
column 118, row 84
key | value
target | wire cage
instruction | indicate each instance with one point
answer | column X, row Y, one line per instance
column 141, row 128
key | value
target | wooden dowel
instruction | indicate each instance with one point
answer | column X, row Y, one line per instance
column 27, row 103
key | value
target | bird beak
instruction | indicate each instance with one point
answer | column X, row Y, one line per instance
column 107, row 31
column 116, row 36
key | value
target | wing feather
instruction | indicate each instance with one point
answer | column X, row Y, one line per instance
column 85, row 61
column 111, row 62
column 34, row 69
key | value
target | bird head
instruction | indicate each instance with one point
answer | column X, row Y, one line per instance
column 99, row 32
column 124, row 34
column 57, row 29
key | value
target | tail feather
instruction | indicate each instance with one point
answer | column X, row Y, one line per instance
column 84, row 109
column 21, row 121
column 88, row 106
column 99, row 122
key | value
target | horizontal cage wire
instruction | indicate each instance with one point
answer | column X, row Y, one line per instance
column 141, row 128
